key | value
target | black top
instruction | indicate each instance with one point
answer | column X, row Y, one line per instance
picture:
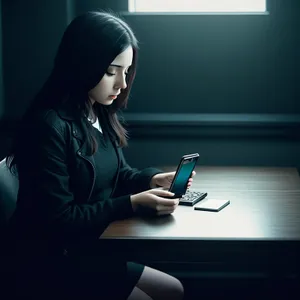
column 106, row 166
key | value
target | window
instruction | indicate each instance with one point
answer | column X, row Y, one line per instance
column 205, row 6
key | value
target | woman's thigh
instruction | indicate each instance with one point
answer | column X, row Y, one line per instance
column 138, row 294
column 157, row 285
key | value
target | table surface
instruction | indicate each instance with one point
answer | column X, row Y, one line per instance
column 264, row 205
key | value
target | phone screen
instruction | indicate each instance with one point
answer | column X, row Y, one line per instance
column 179, row 185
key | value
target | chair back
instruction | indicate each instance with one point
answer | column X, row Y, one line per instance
column 9, row 186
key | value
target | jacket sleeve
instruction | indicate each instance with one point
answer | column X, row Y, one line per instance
column 132, row 180
column 46, row 201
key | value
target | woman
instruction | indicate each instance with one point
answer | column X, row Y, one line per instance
column 73, row 178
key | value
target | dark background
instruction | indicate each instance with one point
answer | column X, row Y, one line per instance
column 225, row 86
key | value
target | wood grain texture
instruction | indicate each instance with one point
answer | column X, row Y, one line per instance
column 264, row 204
column 258, row 230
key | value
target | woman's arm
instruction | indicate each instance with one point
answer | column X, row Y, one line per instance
column 132, row 180
column 45, row 197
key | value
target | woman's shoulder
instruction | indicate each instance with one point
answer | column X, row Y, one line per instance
column 47, row 121
column 49, row 118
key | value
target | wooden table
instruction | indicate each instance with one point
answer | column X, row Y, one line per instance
column 260, row 229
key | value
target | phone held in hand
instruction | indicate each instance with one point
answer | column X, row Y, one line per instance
column 183, row 173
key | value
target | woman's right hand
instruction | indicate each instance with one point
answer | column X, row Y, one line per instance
column 155, row 200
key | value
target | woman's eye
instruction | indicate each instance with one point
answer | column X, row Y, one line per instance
column 112, row 74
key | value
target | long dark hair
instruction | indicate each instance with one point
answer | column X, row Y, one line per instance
column 89, row 44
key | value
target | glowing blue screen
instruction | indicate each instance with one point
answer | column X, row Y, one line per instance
column 181, row 181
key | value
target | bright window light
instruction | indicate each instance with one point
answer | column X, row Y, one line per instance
column 197, row 5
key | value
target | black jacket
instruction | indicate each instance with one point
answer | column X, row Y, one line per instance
column 56, row 179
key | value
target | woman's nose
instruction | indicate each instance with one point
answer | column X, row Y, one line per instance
column 121, row 84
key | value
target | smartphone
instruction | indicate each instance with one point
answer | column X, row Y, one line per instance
column 183, row 173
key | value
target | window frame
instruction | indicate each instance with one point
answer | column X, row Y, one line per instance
column 266, row 12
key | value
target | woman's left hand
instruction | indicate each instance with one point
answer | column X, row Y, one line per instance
column 165, row 179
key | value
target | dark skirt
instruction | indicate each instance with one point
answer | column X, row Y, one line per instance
column 78, row 278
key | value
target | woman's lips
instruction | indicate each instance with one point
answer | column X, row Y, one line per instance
column 112, row 97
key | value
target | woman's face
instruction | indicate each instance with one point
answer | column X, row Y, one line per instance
column 114, row 80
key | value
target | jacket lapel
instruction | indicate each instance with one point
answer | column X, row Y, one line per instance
column 70, row 114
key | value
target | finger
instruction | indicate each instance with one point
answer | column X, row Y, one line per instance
column 166, row 210
column 193, row 173
column 190, row 179
column 171, row 173
column 161, row 188
column 161, row 207
column 166, row 202
column 162, row 192
column 162, row 213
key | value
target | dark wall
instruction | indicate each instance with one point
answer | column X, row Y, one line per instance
column 31, row 33
column 213, row 66
column 202, row 64
column 188, row 64
column 216, row 63
column 1, row 67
